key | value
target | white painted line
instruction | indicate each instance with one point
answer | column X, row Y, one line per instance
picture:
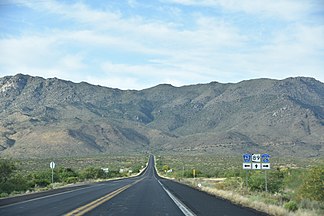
column 185, row 210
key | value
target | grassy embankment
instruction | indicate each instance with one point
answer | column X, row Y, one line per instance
column 295, row 187
column 32, row 175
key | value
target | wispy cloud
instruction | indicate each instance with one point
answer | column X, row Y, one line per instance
column 284, row 9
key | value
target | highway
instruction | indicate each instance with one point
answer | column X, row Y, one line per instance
column 147, row 194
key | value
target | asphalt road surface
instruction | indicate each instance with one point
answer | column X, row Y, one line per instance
column 147, row 194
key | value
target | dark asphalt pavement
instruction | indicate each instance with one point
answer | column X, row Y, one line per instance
column 147, row 194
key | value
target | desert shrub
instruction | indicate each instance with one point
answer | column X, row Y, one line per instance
column 136, row 168
column 92, row 173
column 232, row 173
column 311, row 204
column 3, row 194
column 114, row 174
column 256, row 181
column 274, row 179
column 43, row 178
column 20, row 182
column 312, row 187
column 291, row 206
column 292, row 178
column 7, row 168
column 189, row 173
column 233, row 183
column 11, row 181
column 71, row 179
column 66, row 173
column 41, row 182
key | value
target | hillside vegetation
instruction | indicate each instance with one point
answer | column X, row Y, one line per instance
column 53, row 118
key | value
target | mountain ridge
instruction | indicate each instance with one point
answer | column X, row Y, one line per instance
column 52, row 117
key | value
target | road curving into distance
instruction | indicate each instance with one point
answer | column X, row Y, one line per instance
column 146, row 194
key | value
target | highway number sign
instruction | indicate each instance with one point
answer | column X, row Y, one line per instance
column 266, row 166
column 265, row 158
column 247, row 158
column 256, row 166
column 247, row 166
column 256, row 157
column 52, row 165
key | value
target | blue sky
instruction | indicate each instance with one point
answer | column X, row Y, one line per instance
column 137, row 44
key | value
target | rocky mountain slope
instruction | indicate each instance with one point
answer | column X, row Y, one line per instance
column 52, row 118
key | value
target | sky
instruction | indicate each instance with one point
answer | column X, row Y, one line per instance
column 138, row 44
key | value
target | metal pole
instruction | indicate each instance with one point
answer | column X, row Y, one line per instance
column 183, row 171
column 52, row 176
column 266, row 182
column 246, row 178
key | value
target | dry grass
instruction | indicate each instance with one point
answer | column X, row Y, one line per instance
column 246, row 201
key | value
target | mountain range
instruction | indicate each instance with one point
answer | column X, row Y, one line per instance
column 57, row 118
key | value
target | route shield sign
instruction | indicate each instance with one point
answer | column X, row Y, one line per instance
column 265, row 158
column 247, row 158
column 256, row 157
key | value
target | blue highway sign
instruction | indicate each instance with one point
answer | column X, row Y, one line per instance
column 265, row 158
column 247, row 158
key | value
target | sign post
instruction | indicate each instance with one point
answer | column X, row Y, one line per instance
column 52, row 166
column 247, row 166
column 265, row 166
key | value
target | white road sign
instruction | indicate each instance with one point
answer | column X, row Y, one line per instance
column 247, row 166
column 256, row 157
column 52, row 165
column 256, row 166
column 266, row 166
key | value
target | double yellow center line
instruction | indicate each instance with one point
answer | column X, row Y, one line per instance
column 90, row 206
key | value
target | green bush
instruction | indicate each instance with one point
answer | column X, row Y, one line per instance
column 41, row 182
column 233, row 183
column 291, row 206
column 312, row 187
column 275, row 181
column 92, row 173
column 165, row 168
column 114, row 174
column 10, row 181
column 42, row 178
column 66, row 173
column 7, row 168
column 189, row 173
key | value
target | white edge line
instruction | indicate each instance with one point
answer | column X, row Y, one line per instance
column 185, row 210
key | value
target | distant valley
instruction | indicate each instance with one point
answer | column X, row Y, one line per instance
column 57, row 118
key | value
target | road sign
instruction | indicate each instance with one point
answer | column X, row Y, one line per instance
column 256, row 166
column 265, row 158
column 256, row 157
column 265, row 166
column 247, row 166
column 52, row 165
column 247, row 158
